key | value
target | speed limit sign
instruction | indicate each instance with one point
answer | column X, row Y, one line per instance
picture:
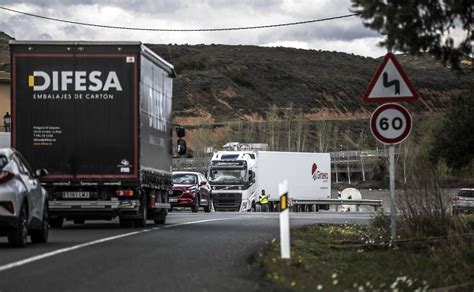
column 391, row 123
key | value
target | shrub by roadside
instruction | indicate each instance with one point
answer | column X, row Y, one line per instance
column 360, row 258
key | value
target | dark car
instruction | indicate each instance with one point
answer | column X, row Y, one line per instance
column 23, row 202
column 463, row 201
column 191, row 189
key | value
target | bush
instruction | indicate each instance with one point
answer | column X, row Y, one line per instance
column 379, row 226
column 424, row 207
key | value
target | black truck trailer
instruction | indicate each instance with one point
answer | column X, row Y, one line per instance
column 97, row 116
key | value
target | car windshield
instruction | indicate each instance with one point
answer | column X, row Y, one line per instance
column 466, row 193
column 184, row 178
column 3, row 161
column 227, row 176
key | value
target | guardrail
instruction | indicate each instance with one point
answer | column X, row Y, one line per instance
column 357, row 154
column 338, row 202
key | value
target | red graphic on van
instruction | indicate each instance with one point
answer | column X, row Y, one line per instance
column 318, row 174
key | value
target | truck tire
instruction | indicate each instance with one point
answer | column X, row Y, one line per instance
column 141, row 222
column 208, row 207
column 253, row 208
column 195, row 207
column 56, row 222
column 41, row 235
column 160, row 217
column 19, row 237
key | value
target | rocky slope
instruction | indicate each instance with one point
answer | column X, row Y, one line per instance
column 218, row 83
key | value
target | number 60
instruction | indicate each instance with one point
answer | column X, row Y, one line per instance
column 397, row 123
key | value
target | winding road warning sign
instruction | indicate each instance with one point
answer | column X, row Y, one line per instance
column 391, row 123
column 390, row 83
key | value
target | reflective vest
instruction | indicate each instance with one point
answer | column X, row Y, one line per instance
column 263, row 199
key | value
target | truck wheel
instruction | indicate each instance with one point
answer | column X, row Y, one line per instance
column 195, row 207
column 251, row 208
column 19, row 237
column 141, row 222
column 41, row 236
column 56, row 222
column 160, row 217
column 208, row 207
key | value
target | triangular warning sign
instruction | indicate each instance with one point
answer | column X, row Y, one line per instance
column 390, row 83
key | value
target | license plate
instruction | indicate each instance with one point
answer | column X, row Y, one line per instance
column 76, row 195
column 173, row 200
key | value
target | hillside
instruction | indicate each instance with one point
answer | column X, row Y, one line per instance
column 218, row 83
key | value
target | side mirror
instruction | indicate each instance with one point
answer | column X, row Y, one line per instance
column 182, row 147
column 180, row 132
column 203, row 183
column 41, row 172
column 251, row 176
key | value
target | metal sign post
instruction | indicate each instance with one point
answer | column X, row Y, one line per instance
column 284, row 220
column 393, row 211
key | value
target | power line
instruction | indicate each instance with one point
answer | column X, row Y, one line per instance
column 175, row 30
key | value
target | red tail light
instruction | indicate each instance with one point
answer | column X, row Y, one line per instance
column 124, row 193
column 5, row 176
column 455, row 197
column 8, row 206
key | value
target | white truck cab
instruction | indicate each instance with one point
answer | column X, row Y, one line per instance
column 232, row 179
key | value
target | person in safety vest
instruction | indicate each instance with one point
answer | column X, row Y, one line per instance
column 263, row 200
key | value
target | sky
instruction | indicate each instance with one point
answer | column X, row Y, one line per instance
column 343, row 35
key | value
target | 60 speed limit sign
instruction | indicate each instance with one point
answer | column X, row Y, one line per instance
column 391, row 123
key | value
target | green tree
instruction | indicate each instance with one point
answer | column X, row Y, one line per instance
column 455, row 138
column 421, row 26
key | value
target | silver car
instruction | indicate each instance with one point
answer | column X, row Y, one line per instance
column 463, row 201
column 23, row 201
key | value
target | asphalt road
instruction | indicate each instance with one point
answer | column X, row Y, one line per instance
column 191, row 252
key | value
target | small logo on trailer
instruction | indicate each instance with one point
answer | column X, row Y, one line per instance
column 124, row 166
column 318, row 174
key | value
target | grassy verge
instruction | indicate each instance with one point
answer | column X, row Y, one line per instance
column 356, row 258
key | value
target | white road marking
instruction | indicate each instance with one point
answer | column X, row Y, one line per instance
column 74, row 247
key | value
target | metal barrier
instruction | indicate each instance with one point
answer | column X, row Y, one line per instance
column 337, row 202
